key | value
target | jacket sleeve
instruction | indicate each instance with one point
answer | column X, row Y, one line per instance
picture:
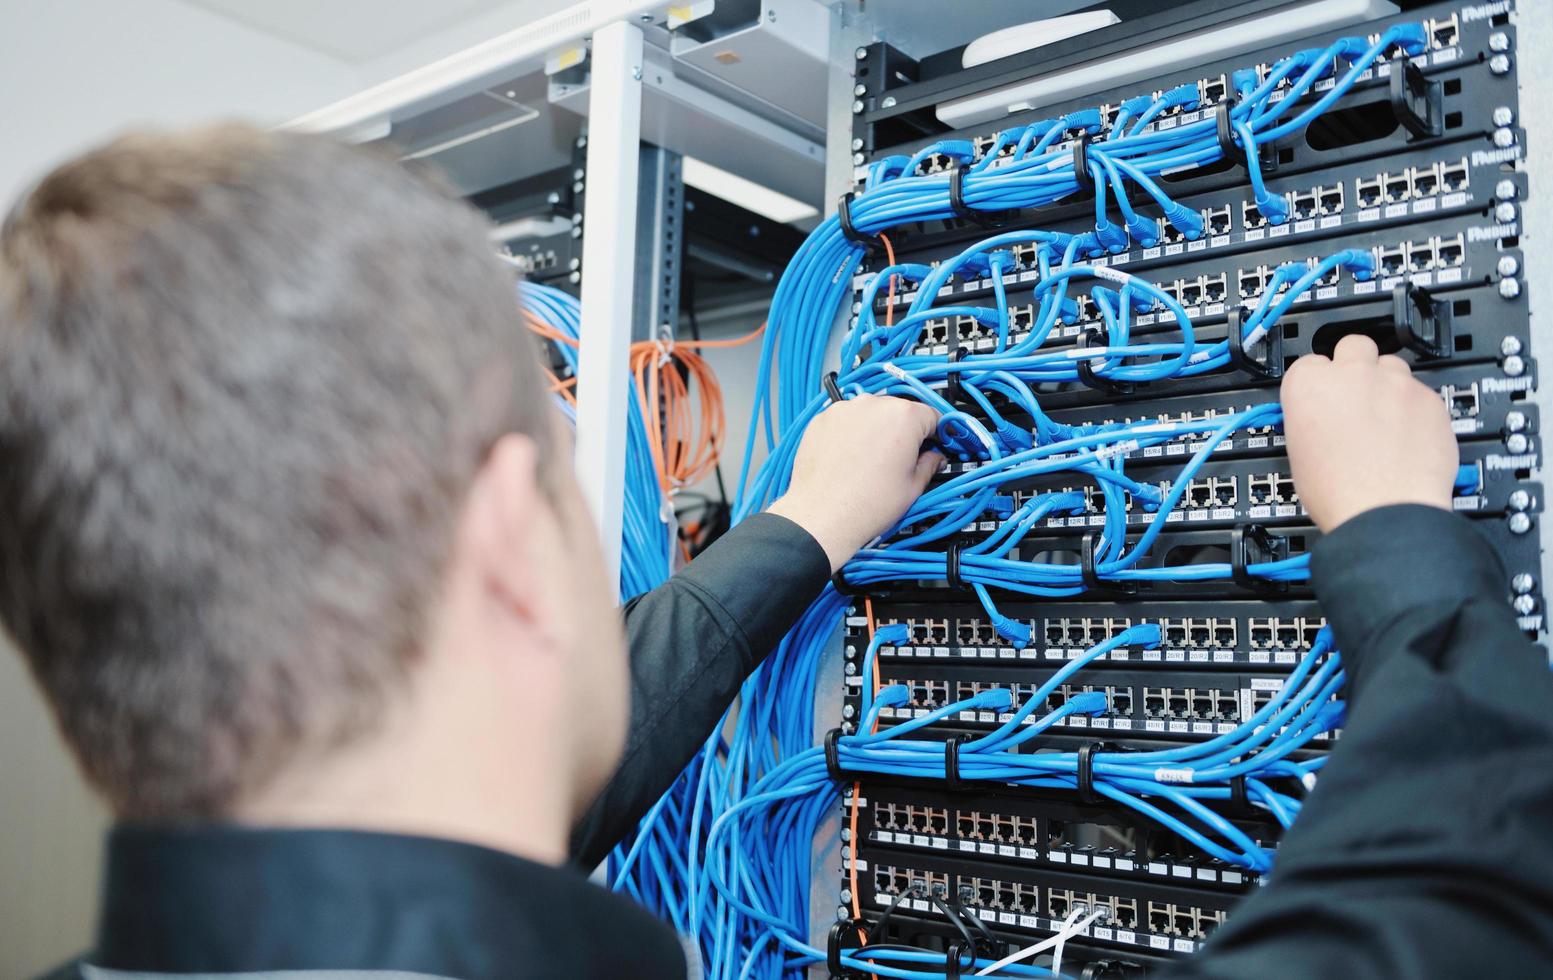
column 1424, row 849
column 693, row 641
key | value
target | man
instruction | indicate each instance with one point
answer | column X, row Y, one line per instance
column 289, row 541
column 289, row 538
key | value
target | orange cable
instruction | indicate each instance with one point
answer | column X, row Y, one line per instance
column 889, row 308
column 682, row 407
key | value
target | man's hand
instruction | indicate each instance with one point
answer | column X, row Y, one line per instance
column 1363, row 434
column 859, row 467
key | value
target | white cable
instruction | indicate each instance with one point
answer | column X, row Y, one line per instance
column 1068, row 929
column 1062, row 938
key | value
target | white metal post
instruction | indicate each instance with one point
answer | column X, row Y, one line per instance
column 609, row 263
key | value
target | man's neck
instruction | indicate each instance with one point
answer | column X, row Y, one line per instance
column 473, row 775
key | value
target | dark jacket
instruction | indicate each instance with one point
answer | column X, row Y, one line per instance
column 1426, row 848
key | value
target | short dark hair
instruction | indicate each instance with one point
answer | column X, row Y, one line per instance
column 246, row 381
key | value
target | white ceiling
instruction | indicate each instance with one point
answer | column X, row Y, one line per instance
column 359, row 31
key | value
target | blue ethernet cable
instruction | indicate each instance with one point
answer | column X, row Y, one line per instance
column 648, row 536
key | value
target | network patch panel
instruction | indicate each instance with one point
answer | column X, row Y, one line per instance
column 1233, row 634
column 1184, row 545
column 1140, row 913
column 1464, row 177
column 1230, row 638
column 1414, row 175
column 1170, row 705
column 1029, row 830
column 1261, row 488
column 1483, row 402
column 1443, row 253
column 1468, row 57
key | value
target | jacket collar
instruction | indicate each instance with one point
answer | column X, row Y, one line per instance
column 223, row 899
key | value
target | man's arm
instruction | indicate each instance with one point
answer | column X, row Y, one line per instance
column 694, row 639
column 1425, row 848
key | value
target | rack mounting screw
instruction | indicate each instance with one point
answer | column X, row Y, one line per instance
column 1519, row 499
column 1505, row 190
column 1523, row 583
column 1504, row 138
column 1508, row 265
column 857, row 159
column 1504, row 212
column 1499, row 64
column 848, row 711
column 841, row 913
column 862, row 90
column 1509, row 288
column 1514, row 421
column 1519, row 523
column 889, row 102
column 857, row 106
column 1499, row 41
column 1516, row 443
column 1503, row 115
column 857, row 142
column 860, row 53
column 1525, row 604
column 1513, row 366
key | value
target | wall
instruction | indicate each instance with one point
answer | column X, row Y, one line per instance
column 73, row 72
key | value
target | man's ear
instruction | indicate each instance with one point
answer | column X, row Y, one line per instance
column 510, row 528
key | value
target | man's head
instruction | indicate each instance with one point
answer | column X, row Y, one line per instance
column 278, row 475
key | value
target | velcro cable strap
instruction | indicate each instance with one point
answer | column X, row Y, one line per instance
column 870, row 243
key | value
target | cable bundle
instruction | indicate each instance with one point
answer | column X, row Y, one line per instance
column 727, row 854
column 647, row 536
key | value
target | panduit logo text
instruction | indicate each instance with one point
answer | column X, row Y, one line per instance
column 1488, row 158
column 1483, row 11
column 1525, row 461
column 1491, row 234
column 1502, row 385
